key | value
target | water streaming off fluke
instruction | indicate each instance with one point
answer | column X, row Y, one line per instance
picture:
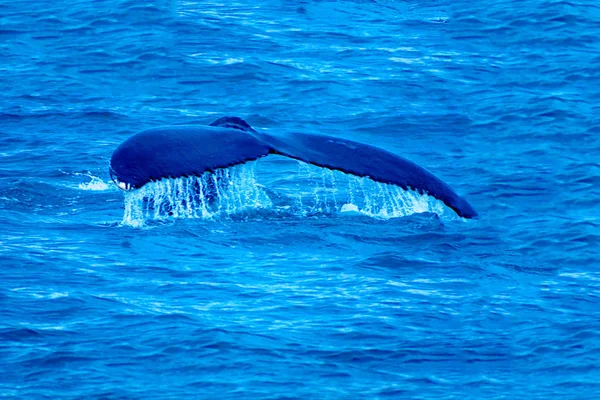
column 236, row 189
column 334, row 191
column 224, row 192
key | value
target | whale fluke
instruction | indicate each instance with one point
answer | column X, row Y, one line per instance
column 181, row 151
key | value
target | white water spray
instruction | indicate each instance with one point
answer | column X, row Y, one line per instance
column 224, row 192
column 335, row 191
column 233, row 190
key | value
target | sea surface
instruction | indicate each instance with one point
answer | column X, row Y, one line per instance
column 291, row 287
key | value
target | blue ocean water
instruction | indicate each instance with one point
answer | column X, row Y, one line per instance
column 289, row 295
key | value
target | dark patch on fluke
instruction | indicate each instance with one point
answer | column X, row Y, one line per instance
column 178, row 151
column 233, row 122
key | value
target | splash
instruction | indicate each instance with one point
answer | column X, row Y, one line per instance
column 313, row 191
column 224, row 192
column 95, row 184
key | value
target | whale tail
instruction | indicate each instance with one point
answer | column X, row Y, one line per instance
column 180, row 151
